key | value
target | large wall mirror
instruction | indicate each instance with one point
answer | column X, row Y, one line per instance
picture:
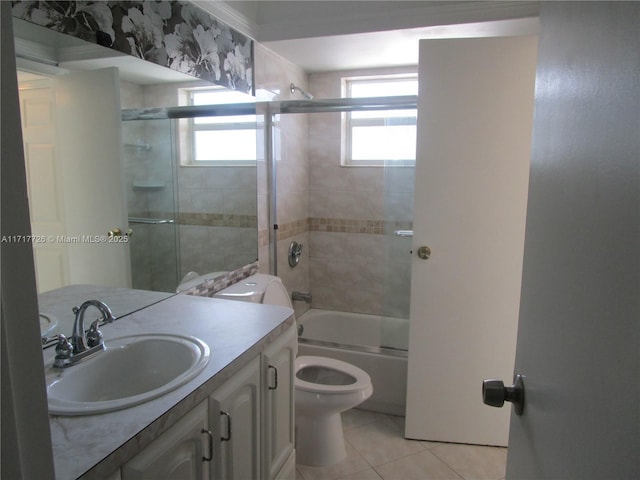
column 137, row 203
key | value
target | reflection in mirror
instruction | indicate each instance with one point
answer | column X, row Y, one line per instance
column 91, row 174
column 202, row 206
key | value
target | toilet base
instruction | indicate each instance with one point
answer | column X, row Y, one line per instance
column 319, row 440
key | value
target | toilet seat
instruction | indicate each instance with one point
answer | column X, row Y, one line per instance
column 361, row 378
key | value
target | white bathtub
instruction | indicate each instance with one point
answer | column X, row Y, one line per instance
column 375, row 344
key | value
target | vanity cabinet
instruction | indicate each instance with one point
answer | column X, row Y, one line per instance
column 278, row 407
column 244, row 430
column 235, row 415
column 177, row 453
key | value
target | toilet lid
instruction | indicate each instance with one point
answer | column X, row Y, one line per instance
column 361, row 379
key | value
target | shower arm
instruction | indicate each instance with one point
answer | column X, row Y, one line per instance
column 294, row 88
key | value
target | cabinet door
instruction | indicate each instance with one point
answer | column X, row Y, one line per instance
column 177, row 453
column 235, row 417
column 279, row 414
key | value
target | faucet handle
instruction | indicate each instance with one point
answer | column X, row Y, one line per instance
column 64, row 352
column 94, row 336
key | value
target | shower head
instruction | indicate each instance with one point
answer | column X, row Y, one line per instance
column 293, row 88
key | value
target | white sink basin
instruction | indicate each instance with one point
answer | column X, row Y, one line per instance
column 132, row 370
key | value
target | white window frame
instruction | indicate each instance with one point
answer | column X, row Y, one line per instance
column 348, row 122
column 189, row 128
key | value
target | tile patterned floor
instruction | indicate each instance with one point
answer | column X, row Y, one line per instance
column 377, row 450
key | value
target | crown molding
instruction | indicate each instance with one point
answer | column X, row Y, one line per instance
column 224, row 12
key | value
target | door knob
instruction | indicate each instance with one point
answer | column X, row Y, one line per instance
column 424, row 252
column 494, row 393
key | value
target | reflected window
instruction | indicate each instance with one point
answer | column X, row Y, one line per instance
column 383, row 137
column 218, row 140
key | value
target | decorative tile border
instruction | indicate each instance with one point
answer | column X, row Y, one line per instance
column 209, row 288
column 291, row 229
column 217, row 220
column 204, row 219
column 175, row 34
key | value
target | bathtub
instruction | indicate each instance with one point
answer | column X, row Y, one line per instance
column 378, row 345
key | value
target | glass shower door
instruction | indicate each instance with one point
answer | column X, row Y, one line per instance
column 151, row 200
column 398, row 233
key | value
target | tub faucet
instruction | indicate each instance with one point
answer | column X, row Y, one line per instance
column 301, row 296
column 82, row 344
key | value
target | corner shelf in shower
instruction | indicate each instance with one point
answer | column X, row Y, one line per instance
column 148, row 185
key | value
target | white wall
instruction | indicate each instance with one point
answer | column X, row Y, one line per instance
column 26, row 441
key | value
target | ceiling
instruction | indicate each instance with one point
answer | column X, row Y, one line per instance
column 386, row 49
column 328, row 35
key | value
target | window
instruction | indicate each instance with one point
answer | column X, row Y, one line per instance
column 228, row 140
column 380, row 137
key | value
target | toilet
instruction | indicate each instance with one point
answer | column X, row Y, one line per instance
column 192, row 279
column 324, row 387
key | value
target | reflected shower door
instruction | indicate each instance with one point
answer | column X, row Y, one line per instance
column 151, row 199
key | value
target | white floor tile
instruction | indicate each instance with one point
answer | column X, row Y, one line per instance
column 473, row 461
column 381, row 442
column 420, row 466
column 354, row 463
column 369, row 474
column 377, row 450
column 356, row 418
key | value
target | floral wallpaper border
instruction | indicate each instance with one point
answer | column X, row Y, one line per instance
column 175, row 34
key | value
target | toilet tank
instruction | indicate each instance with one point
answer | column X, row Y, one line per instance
column 258, row 288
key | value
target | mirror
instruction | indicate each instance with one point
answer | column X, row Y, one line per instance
column 183, row 216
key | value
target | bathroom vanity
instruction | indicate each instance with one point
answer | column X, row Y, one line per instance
column 235, row 419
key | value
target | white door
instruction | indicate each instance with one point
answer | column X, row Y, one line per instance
column 90, row 153
column 579, row 330
column 44, row 178
column 475, row 115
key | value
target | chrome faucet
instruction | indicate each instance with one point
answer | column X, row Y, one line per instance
column 306, row 297
column 82, row 344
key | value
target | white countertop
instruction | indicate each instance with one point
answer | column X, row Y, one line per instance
column 94, row 446
column 122, row 301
